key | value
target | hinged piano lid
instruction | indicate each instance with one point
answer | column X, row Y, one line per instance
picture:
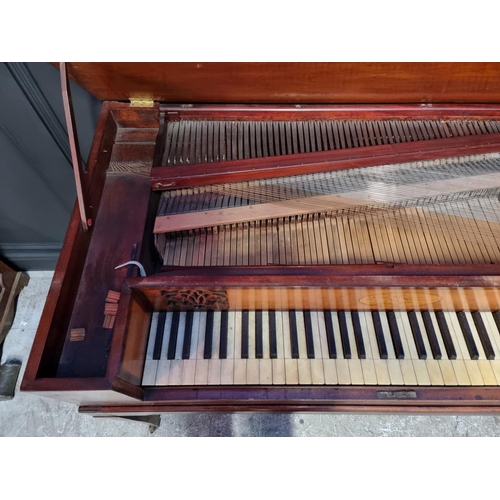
column 431, row 82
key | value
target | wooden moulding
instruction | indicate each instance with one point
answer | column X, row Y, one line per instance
column 325, row 161
column 357, row 287
column 313, row 398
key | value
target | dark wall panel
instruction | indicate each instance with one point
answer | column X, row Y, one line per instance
column 37, row 190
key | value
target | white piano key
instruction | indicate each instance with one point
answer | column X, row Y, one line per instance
column 318, row 350
column 355, row 369
column 227, row 365
column 180, row 335
column 188, row 372
column 304, row 369
column 343, row 373
column 319, row 338
column 317, row 372
column 393, row 366
column 458, row 364
column 176, row 365
column 150, row 364
column 278, row 367
column 380, row 365
column 291, row 367
column 475, row 335
column 214, row 371
column 240, row 371
column 175, row 368
column 487, row 372
column 491, row 327
column 227, row 371
column 214, row 363
column 471, row 366
column 435, row 374
column 407, row 368
column 493, row 333
column 280, row 348
column 439, row 336
column 419, row 365
column 201, row 370
column 200, row 347
column 216, row 335
column 253, row 371
column 265, row 371
column 278, row 364
column 194, row 335
column 336, row 334
column 323, row 342
column 163, row 371
column 330, row 371
column 237, row 335
column 251, row 334
column 231, row 316
column 301, row 334
column 265, row 336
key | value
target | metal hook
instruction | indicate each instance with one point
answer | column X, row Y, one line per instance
column 142, row 272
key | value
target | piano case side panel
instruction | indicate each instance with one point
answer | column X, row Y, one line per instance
column 75, row 370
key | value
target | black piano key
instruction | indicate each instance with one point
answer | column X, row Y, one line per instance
column 174, row 330
column 483, row 335
column 445, row 333
column 358, row 335
column 188, row 330
column 379, row 333
column 160, row 328
column 332, row 349
column 209, row 331
column 417, row 335
column 244, row 334
column 259, row 349
column 344, row 335
column 294, row 341
column 309, row 334
column 223, row 335
column 395, row 335
column 469, row 339
column 431, row 335
column 273, row 345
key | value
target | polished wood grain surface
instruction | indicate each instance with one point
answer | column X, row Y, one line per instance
column 428, row 82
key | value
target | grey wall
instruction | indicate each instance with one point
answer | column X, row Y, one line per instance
column 37, row 190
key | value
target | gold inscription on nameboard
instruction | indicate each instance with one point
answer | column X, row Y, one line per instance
column 400, row 299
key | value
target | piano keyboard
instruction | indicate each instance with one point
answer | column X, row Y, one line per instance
column 425, row 348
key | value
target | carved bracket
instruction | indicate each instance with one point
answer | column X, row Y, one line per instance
column 197, row 300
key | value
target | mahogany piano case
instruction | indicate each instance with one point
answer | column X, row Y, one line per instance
column 306, row 236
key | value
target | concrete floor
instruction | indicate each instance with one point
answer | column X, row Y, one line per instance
column 28, row 415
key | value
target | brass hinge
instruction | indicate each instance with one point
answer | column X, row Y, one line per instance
column 141, row 102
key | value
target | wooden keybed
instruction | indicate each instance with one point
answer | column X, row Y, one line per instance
column 103, row 373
